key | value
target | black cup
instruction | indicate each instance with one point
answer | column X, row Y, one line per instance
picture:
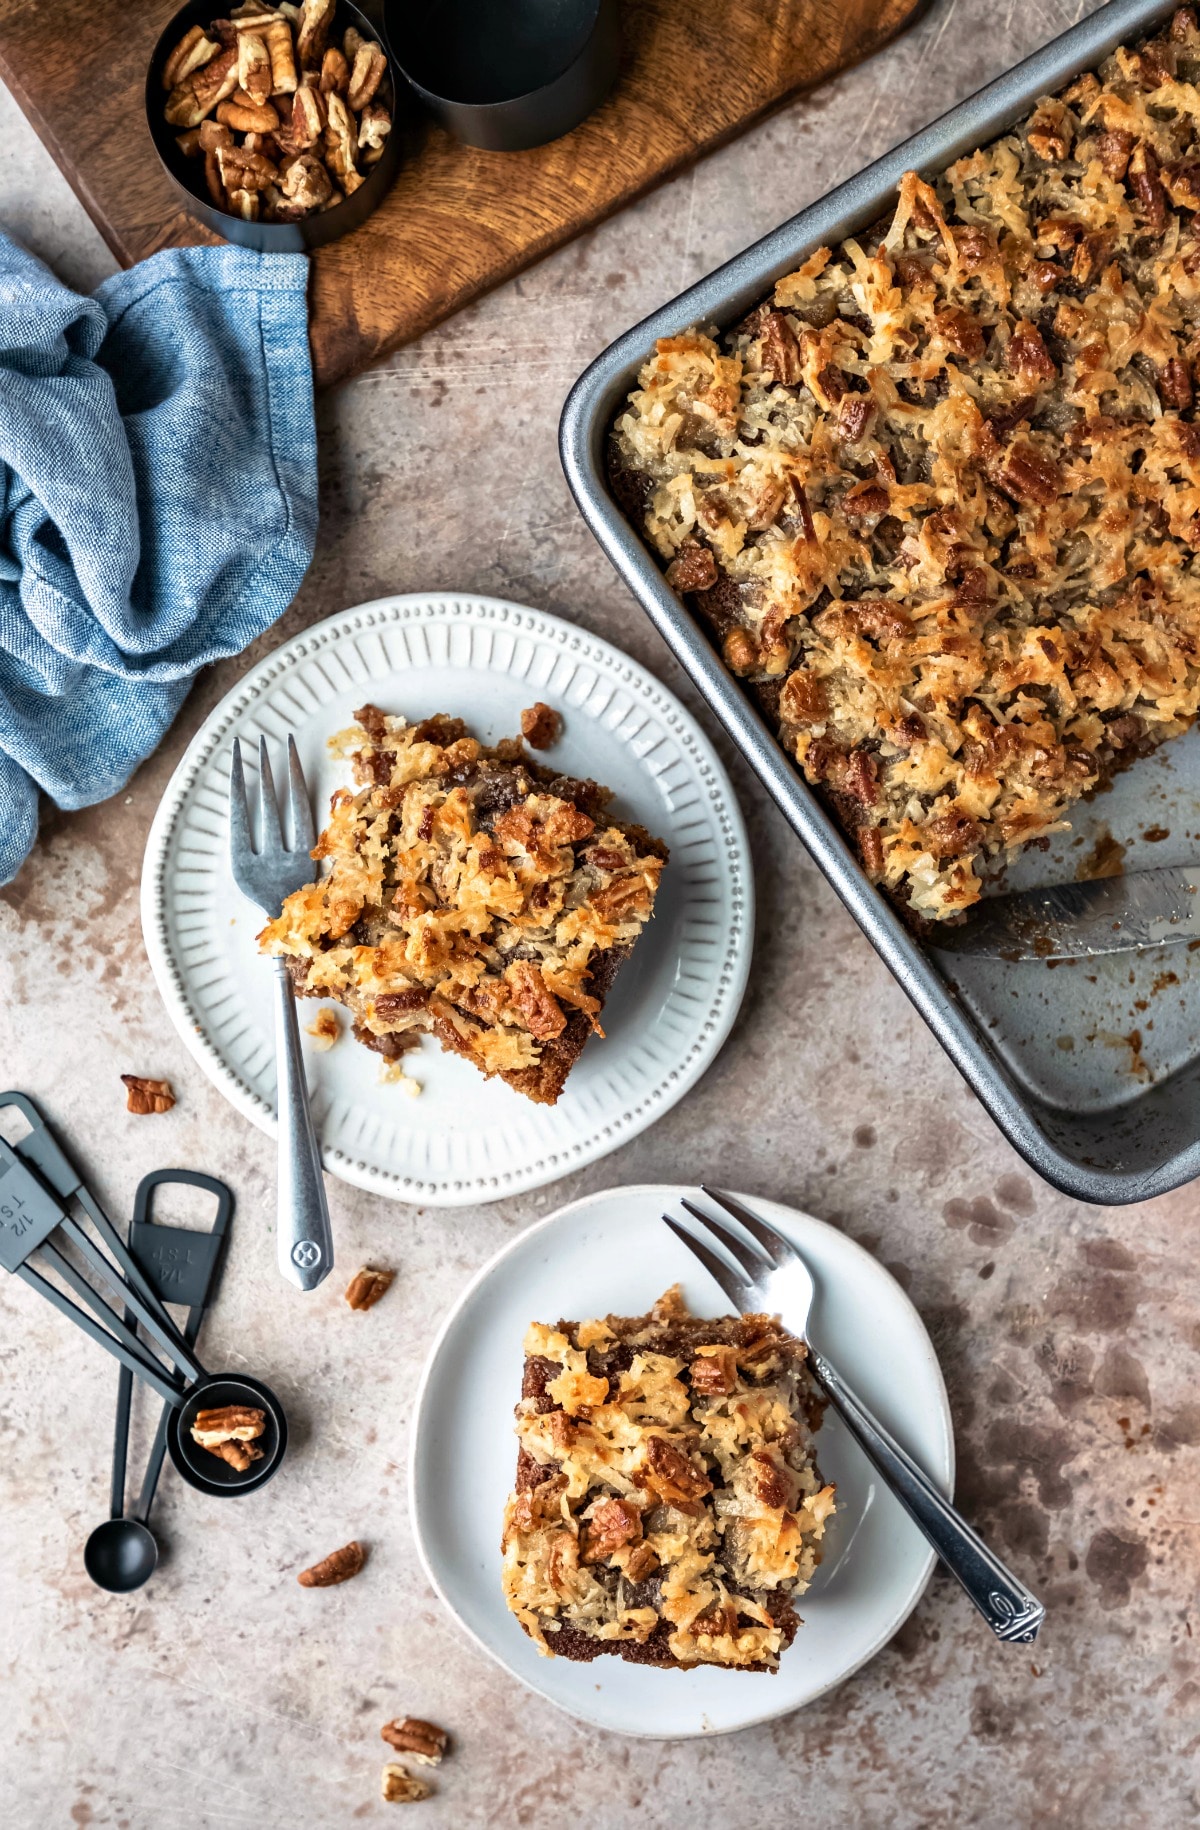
column 208, row 1472
column 188, row 174
column 506, row 74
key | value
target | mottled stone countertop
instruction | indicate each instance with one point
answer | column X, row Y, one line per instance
column 224, row 1695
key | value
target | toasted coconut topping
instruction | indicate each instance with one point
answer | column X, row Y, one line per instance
column 469, row 893
column 659, row 1505
column 944, row 489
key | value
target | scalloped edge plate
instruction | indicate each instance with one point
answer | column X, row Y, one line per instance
column 464, row 1139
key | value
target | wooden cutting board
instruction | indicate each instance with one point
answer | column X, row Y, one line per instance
column 693, row 73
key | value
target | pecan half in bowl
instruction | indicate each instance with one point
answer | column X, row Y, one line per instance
column 275, row 123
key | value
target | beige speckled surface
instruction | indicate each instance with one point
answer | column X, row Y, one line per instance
column 223, row 1695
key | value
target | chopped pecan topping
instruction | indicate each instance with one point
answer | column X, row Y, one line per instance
column 421, row 1741
column 714, row 1371
column 338, row 1566
column 401, row 1003
column 870, row 845
column 1113, row 149
column 1175, row 384
column 772, row 1486
column 367, row 1286
column 1143, row 180
column 541, row 725
column 780, row 351
column 741, row 651
column 803, row 699
column 541, row 1010
column 145, row 1096
column 865, row 499
column 614, row 1523
column 961, row 330
column 854, row 416
column 1029, row 475
column 951, row 834
column 672, row 1477
column 1028, row 356
column 692, row 569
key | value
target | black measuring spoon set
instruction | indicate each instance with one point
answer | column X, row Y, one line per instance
column 53, row 1230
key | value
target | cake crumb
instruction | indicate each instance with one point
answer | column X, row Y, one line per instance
column 541, row 725
column 325, row 1029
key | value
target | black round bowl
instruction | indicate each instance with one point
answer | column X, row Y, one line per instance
column 506, row 74
column 208, row 1472
column 188, row 174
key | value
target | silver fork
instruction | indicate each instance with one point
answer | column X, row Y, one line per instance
column 303, row 1238
column 768, row 1273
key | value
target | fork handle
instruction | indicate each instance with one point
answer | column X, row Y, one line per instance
column 302, row 1230
column 1010, row 1609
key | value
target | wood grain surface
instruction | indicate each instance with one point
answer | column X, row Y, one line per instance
column 693, row 73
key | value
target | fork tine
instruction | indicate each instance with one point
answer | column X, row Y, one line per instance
column 776, row 1248
column 728, row 1280
column 240, row 844
column 752, row 1260
column 303, row 833
column 272, row 832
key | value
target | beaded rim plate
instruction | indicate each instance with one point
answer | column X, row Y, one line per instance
column 609, row 1253
column 463, row 1139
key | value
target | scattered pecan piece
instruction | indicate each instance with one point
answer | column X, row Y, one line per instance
column 145, row 1096
column 400, row 1787
column 338, row 1566
column 541, row 725
column 367, row 1286
column 423, row 1742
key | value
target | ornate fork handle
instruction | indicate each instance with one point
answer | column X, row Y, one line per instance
column 304, row 1239
column 1012, row 1612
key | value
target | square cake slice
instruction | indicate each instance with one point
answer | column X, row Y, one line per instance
column 667, row 1506
column 472, row 893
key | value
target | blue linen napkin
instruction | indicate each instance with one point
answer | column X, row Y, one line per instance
column 158, row 503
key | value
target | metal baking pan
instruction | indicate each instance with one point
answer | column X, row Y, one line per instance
column 1092, row 1070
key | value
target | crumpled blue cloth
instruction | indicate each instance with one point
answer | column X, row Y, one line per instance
column 158, row 503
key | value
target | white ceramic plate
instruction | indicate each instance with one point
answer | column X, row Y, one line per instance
column 464, row 1139
column 610, row 1254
